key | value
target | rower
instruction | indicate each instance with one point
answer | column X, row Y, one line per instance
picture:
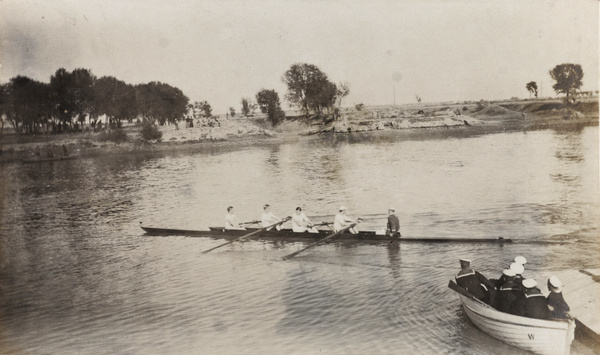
column 393, row 224
column 518, row 269
column 556, row 303
column 269, row 218
column 474, row 282
column 301, row 223
column 231, row 221
column 342, row 221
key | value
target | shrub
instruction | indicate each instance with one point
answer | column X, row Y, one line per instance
column 150, row 131
column 115, row 135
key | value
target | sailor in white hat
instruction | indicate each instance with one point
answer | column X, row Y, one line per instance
column 520, row 260
column 534, row 303
column 557, row 304
column 518, row 269
column 393, row 224
column 508, row 292
column 342, row 221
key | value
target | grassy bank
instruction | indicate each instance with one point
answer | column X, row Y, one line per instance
column 422, row 120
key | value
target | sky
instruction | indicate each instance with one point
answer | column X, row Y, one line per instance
column 387, row 51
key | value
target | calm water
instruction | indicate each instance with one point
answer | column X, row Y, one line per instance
column 78, row 275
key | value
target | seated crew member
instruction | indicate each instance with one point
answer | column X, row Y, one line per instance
column 474, row 282
column 519, row 260
column 532, row 303
column 342, row 221
column 393, row 224
column 556, row 303
column 508, row 292
column 301, row 223
column 518, row 269
column 231, row 221
column 268, row 218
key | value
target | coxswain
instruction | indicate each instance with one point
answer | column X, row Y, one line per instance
column 393, row 224
column 231, row 221
column 474, row 282
column 508, row 292
column 268, row 218
column 532, row 303
column 342, row 221
column 556, row 303
column 301, row 223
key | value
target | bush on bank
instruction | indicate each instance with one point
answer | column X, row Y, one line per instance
column 150, row 132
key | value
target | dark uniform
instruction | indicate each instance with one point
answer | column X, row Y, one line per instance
column 477, row 284
column 559, row 305
column 532, row 304
column 393, row 226
column 507, row 294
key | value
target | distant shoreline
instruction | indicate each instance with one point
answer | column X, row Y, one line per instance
column 423, row 121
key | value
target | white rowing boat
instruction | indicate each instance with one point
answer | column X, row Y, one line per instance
column 547, row 337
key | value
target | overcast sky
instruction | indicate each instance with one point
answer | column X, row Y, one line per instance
column 220, row 51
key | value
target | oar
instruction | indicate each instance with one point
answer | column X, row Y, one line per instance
column 318, row 242
column 248, row 235
column 453, row 286
column 251, row 222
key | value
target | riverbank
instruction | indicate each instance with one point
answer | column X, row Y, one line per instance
column 420, row 120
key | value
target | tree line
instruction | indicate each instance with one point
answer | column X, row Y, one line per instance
column 568, row 79
column 71, row 98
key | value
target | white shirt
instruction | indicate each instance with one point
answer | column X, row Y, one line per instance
column 231, row 221
column 269, row 218
column 341, row 221
column 299, row 222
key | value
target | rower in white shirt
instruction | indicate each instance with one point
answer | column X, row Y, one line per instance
column 268, row 218
column 342, row 221
column 301, row 223
column 231, row 221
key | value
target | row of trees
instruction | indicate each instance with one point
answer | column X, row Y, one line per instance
column 568, row 79
column 71, row 98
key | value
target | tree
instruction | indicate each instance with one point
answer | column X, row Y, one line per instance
column 232, row 112
column 309, row 88
column 418, row 98
column 26, row 103
column 73, row 94
column 245, row 106
column 268, row 101
column 532, row 88
column 115, row 99
column 162, row 102
column 568, row 78
column 343, row 89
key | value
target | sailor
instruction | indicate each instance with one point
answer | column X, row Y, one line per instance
column 520, row 260
column 518, row 269
column 556, row 303
column 268, row 218
column 393, row 224
column 231, row 221
column 533, row 304
column 474, row 282
column 301, row 223
column 508, row 292
column 342, row 221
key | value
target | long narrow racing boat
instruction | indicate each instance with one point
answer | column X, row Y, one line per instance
column 289, row 235
column 546, row 337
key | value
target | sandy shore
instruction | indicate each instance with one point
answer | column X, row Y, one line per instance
column 424, row 120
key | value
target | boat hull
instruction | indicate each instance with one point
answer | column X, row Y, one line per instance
column 288, row 234
column 547, row 337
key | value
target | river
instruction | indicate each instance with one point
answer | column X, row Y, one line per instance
column 79, row 276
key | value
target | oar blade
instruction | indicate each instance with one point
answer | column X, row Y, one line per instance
column 289, row 256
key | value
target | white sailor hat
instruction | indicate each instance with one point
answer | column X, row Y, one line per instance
column 465, row 261
column 520, row 260
column 342, row 208
column 391, row 209
column 529, row 283
column 509, row 272
column 555, row 282
column 517, row 268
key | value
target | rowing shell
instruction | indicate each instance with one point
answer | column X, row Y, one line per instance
column 288, row 234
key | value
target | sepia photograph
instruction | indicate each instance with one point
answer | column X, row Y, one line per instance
column 299, row 177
